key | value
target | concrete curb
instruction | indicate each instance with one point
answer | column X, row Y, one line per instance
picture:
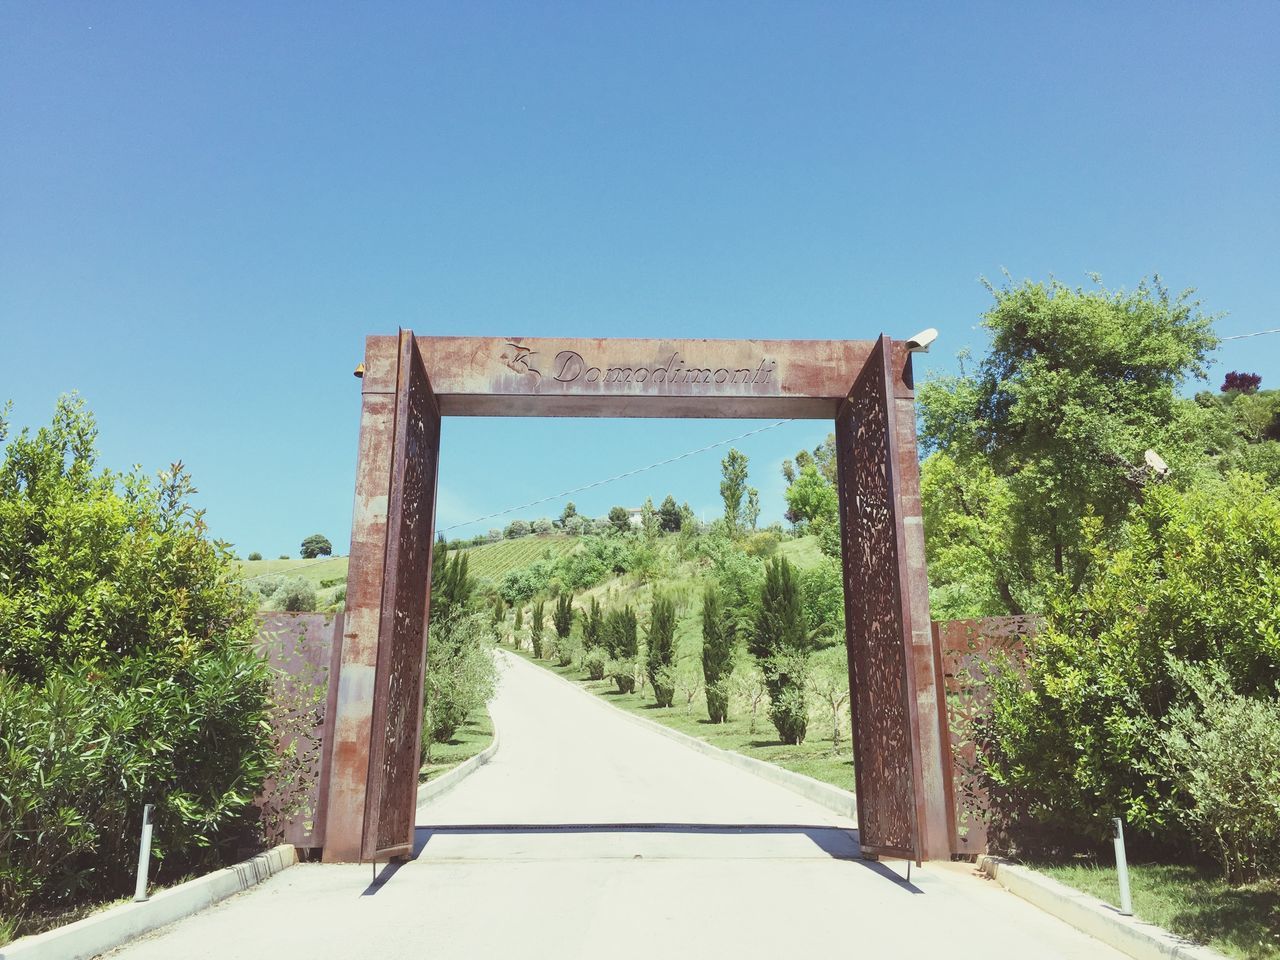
column 446, row 782
column 824, row 794
column 1143, row 941
column 103, row 931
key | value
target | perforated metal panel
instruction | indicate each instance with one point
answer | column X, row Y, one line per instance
column 883, row 700
column 395, row 744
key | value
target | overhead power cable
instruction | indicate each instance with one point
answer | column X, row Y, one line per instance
column 1246, row 336
column 621, row 476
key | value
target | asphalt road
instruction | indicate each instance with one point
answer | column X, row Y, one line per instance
column 590, row 836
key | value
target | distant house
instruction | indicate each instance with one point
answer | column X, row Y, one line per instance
column 634, row 514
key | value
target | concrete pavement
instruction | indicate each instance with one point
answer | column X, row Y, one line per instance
column 588, row 836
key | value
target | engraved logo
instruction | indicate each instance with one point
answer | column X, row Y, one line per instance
column 516, row 358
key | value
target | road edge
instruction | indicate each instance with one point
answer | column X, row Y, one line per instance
column 438, row 787
column 824, row 794
column 100, row 932
column 1129, row 935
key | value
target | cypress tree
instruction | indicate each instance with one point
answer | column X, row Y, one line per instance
column 780, row 644
column 717, row 654
column 562, row 615
column 661, row 649
column 592, row 624
column 535, row 628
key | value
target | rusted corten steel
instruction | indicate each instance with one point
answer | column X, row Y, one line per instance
column 898, row 766
column 395, row 745
column 301, row 649
column 966, row 651
column 353, row 718
column 586, row 377
column 902, row 764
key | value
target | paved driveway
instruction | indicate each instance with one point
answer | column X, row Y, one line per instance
column 589, row 836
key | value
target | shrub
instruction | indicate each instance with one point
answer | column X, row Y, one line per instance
column 1197, row 579
column 575, row 525
column 822, row 587
column 1222, row 750
column 717, row 654
column 535, row 628
column 622, row 643
column 255, row 555
column 660, row 650
column 461, row 675
column 294, row 595
column 516, row 528
column 594, row 662
column 781, row 646
column 762, row 543
column 523, row 583
column 316, row 545
column 283, row 556
column 542, row 525
column 567, row 651
column 127, row 674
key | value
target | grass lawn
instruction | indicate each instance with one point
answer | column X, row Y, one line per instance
column 472, row 737
column 814, row 758
column 1190, row 901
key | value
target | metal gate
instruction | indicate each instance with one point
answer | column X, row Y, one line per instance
column 402, row 631
column 887, row 765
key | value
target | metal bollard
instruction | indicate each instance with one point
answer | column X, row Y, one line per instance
column 144, row 853
column 1122, row 868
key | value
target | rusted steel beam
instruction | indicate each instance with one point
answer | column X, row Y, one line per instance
column 349, row 767
column 592, row 377
column 933, row 740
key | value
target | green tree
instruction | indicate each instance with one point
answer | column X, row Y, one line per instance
column 751, row 510
column 718, row 639
column 562, row 615
column 452, row 586
column 1196, row 580
column 620, row 517
column 733, row 488
column 1077, row 386
column 623, row 643
column 649, row 521
column 812, row 505
column 128, row 673
column 780, row 644
column 669, row 515
column 316, row 545
column 535, row 627
column 569, row 511
column 255, row 555
column 592, row 626
column 499, row 612
column 661, row 649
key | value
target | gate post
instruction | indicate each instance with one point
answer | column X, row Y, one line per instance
column 935, row 739
column 353, row 723
column 901, row 755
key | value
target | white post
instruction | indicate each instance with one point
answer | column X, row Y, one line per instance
column 144, row 853
column 1122, row 868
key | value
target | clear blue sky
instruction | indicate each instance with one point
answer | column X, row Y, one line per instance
column 204, row 208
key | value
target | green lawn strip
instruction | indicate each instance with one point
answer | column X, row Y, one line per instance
column 1193, row 902
column 814, row 758
column 471, row 738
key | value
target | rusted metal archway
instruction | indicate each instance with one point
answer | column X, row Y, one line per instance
column 902, row 761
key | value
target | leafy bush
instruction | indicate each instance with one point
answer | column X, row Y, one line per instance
column 255, row 555
column 660, row 649
column 718, row 636
column 294, row 595
column 623, row 645
column 127, row 674
column 461, row 674
column 1243, row 382
column 620, row 518
column 524, row 583
column 594, row 661
column 1222, row 750
column 780, row 644
column 542, row 525
column 567, row 651
column 575, row 525
column 1197, row 579
column 516, row 528
column 822, row 587
column 762, row 543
